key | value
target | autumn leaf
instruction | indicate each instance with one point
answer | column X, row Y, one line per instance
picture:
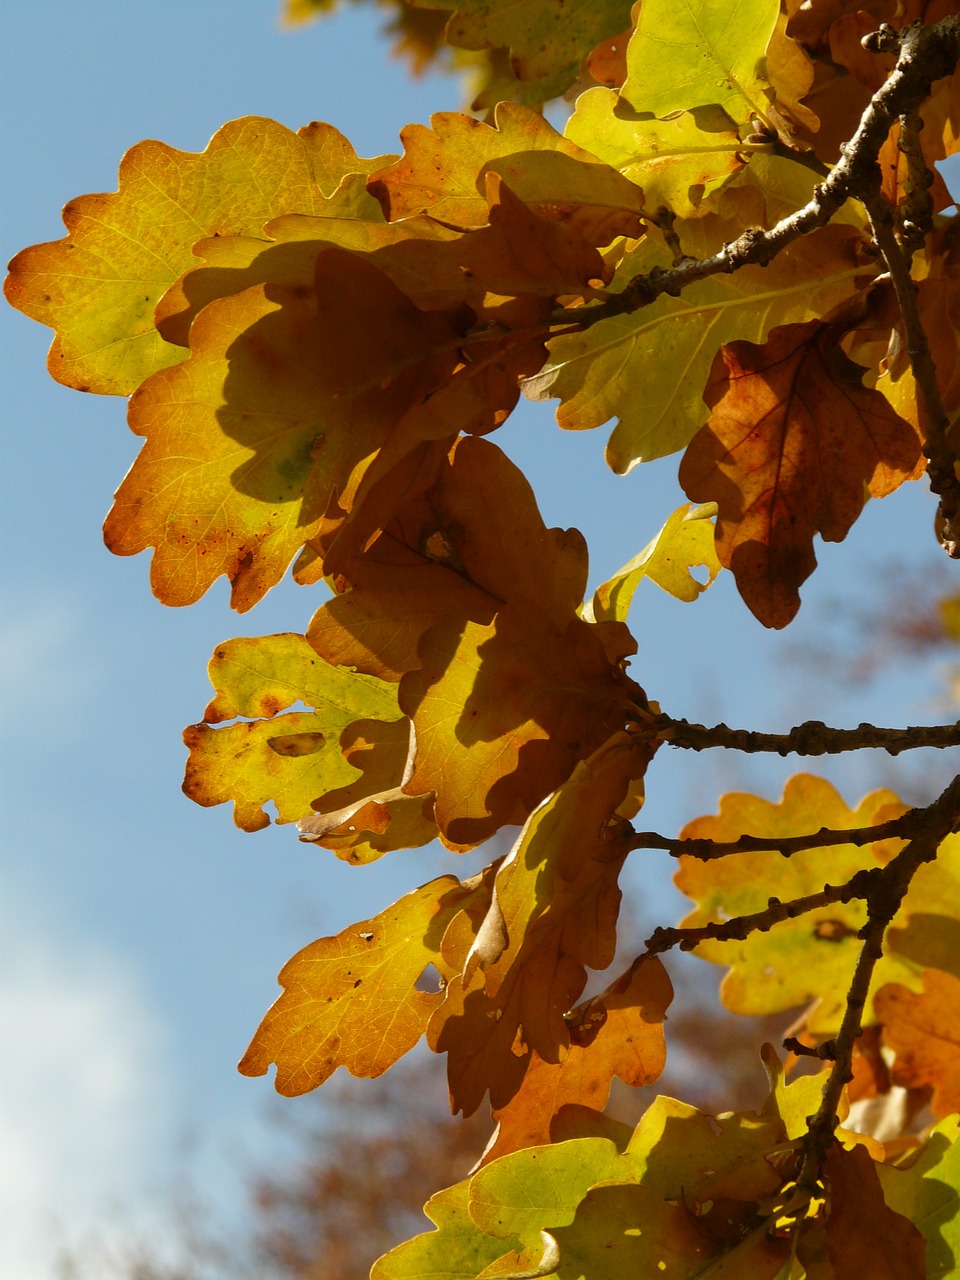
column 351, row 1000
column 436, row 604
column 456, row 1250
column 685, row 542
column 921, row 1029
column 794, row 445
column 617, row 1033
column 698, row 53
column 98, row 286
column 649, row 368
column 286, row 393
column 372, row 815
column 927, row 1192
column 443, row 172
column 553, row 911
column 806, row 958
column 288, row 758
column 547, row 40
column 679, row 162
column 864, row 1235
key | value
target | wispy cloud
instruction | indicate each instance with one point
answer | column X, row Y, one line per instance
column 85, row 1105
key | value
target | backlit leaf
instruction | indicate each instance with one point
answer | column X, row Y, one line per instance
column 457, row 1250
column 98, row 286
column 617, row 1033
column 921, row 1029
column 812, row 956
column 548, row 40
column 794, row 446
column 699, row 53
column 287, row 391
column 927, row 1192
column 351, row 1000
column 685, row 542
column 443, row 171
column 649, row 368
column 678, row 162
column 553, row 911
column 289, row 758
column 864, row 1235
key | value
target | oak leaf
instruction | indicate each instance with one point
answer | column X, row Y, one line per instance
column 628, row 366
column 679, row 163
column 685, row 542
column 617, row 1033
column 927, row 1193
column 806, row 958
column 794, row 445
column 443, row 172
column 287, row 392
column 921, row 1029
column 547, row 40
column 351, row 1000
column 288, row 758
column 864, row 1235
column 698, row 53
column 98, row 286
column 553, row 911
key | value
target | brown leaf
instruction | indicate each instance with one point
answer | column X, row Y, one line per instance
column 864, row 1236
column 794, row 444
column 921, row 1028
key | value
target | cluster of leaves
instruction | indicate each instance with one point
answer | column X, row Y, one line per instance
column 737, row 248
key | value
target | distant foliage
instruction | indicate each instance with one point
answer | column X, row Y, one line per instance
column 739, row 249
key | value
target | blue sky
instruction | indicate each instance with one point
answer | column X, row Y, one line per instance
column 140, row 936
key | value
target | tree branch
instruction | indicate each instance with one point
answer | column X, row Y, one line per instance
column 812, row 738
column 927, row 54
column 885, row 892
column 705, row 850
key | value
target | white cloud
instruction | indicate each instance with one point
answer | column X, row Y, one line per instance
column 84, row 1103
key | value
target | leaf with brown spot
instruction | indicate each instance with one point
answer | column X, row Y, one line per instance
column 288, row 758
column 617, row 1033
column 922, row 1031
column 794, row 444
column 351, row 1000
column 98, row 286
column 287, row 392
column 443, row 172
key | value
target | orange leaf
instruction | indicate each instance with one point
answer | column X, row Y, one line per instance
column 922, row 1031
column 794, row 443
column 617, row 1033
column 864, row 1236
column 351, row 1000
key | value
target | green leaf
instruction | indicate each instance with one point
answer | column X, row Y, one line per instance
column 649, row 367
column 697, row 53
column 290, row 759
column 548, row 40
column 457, row 1250
column 685, row 541
column 678, row 162
column 928, row 1193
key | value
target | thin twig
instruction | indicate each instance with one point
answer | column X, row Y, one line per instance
column 705, row 850
column 812, row 738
